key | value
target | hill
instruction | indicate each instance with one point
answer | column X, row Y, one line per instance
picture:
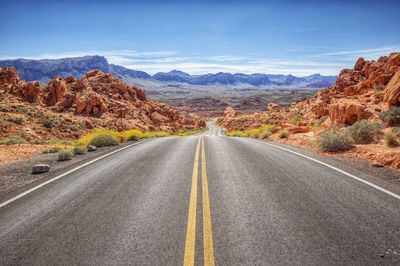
column 67, row 108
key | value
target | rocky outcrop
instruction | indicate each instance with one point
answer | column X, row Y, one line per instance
column 100, row 95
column 54, row 91
column 348, row 112
column 229, row 112
column 8, row 77
column 392, row 91
column 272, row 107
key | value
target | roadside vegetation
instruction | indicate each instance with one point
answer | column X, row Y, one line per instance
column 391, row 116
column 392, row 137
column 361, row 132
column 259, row 133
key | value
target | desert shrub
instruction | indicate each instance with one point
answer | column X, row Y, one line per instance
column 79, row 150
column 377, row 94
column 391, row 116
column 12, row 140
column 332, row 141
column 5, row 123
column 364, row 131
column 4, row 108
column 50, row 123
column 297, row 118
column 380, row 87
column 52, row 141
column 85, row 140
column 15, row 120
column 65, row 155
column 391, row 139
column 21, row 110
column 155, row 134
column 133, row 138
column 265, row 135
column 283, row 134
column 252, row 133
column 54, row 149
column 104, row 140
column 73, row 128
column 235, row 133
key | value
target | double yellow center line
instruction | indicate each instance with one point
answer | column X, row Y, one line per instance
column 191, row 225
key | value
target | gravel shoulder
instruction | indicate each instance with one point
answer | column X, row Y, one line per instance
column 17, row 177
column 385, row 177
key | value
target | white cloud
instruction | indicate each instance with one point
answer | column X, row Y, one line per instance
column 366, row 53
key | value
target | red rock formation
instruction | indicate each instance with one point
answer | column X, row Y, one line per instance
column 229, row 112
column 100, row 95
column 273, row 107
column 8, row 77
column 55, row 90
column 392, row 91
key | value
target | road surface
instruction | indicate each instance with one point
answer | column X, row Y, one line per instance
column 206, row 199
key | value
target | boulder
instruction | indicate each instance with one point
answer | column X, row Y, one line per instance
column 348, row 112
column 272, row 107
column 40, row 168
column 91, row 148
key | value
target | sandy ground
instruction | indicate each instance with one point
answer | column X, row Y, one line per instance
column 14, row 153
column 377, row 153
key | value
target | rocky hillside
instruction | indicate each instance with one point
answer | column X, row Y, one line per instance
column 361, row 93
column 66, row 108
column 44, row 70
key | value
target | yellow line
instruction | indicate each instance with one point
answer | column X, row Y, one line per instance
column 191, row 226
column 207, row 232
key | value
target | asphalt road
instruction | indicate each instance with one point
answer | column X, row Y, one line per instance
column 251, row 204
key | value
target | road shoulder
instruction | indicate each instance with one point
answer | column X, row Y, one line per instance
column 17, row 177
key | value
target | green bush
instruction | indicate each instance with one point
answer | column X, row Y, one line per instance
column 332, row 141
column 283, row 134
column 391, row 116
column 79, row 150
column 390, row 138
column 104, row 140
column 265, row 135
column 12, row 140
column 50, row 123
column 16, row 120
column 65, row 155
column 133, row 138
column 54, row 149
column 364, row 131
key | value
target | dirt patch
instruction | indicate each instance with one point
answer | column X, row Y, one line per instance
column 16, row 177
column 18, row 152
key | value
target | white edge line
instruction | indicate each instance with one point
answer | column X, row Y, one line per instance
column 64, row 174
column 339, row 170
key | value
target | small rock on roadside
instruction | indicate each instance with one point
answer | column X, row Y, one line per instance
column 377, row 165
column 91, row 148
column 40, row 168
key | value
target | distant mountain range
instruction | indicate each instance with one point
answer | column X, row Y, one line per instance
column 44, row 70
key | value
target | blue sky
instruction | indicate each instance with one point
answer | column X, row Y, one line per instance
column 277, row 36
